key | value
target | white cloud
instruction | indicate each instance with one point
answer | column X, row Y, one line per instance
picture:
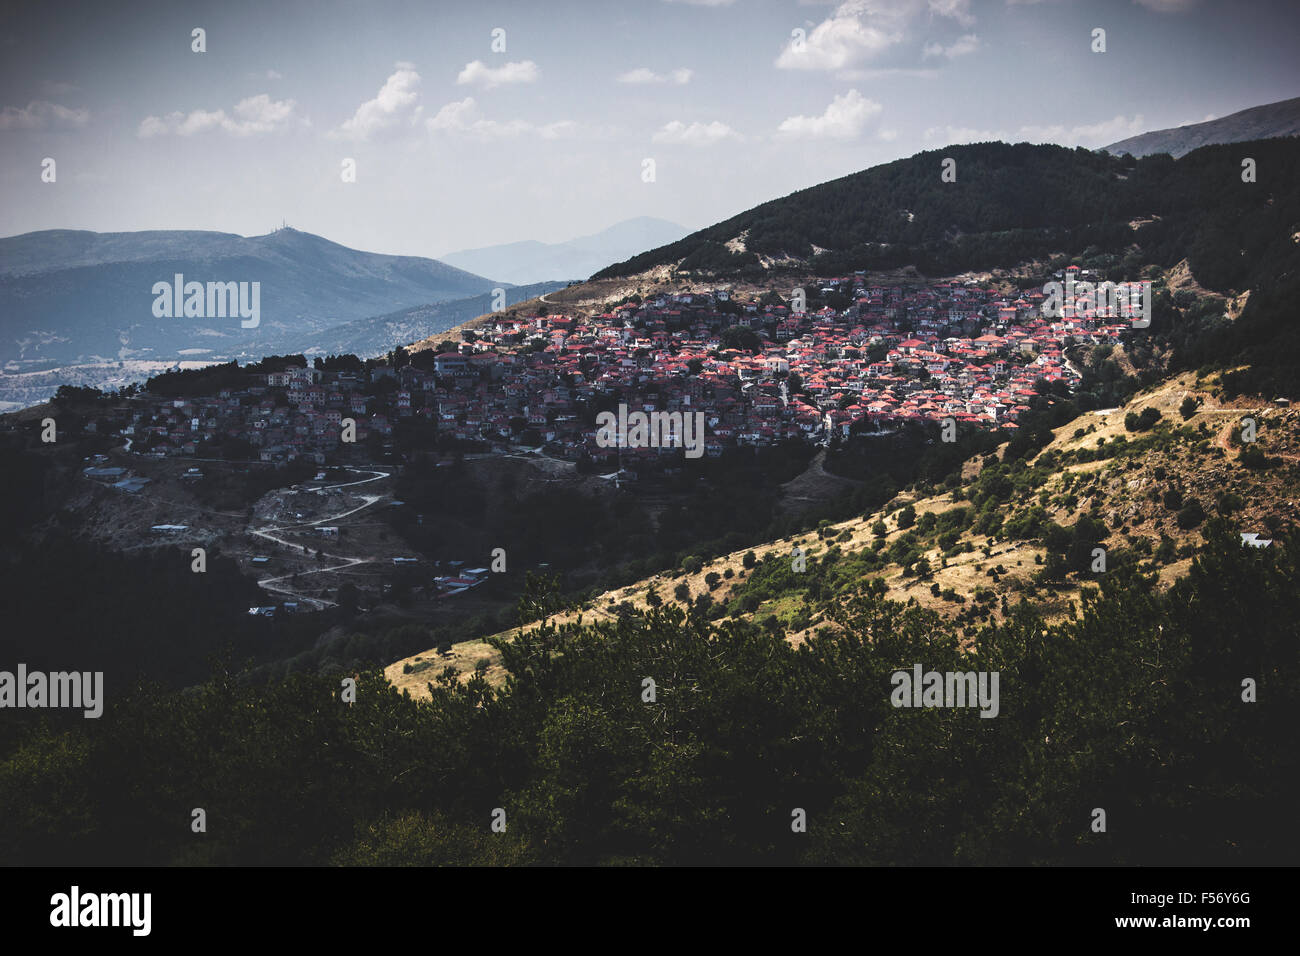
column 835, row 43
column 888, row 135
column 397, row 102
column 960, row 47
column 152, row 126
column 644, row 76
column 696, row 134
column 454, row 116
column 480, row 74
column 704, row 3
column 1087, row 134
column 1095, row 134
column 274, row 75
column 861, row 29
column 261, row 114
column 463, row 117
column 255, row 114
column 958, row 10
column 39, row 114
column 844, row 118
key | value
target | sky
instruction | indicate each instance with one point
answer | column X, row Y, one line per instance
column 471, row 123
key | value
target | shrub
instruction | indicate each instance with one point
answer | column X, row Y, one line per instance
column 1191, row 514
column 907, row 517
column 1141, row 421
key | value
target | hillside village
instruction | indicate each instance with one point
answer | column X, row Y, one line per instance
column 761, row 371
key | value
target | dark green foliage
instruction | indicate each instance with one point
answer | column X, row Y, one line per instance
column 1191, row 514
column 742, row 338
column 1134, row 707
column 1140, row 422
column 1252, row 456
column 1018, row 199
column 212, row 378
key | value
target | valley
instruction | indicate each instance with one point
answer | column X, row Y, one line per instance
column 421, row 568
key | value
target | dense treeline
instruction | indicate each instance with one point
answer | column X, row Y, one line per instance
column 604, row 538
column 1046, row 199
column 210, row 379
column 77, row 604
column 74, row 601
column 1000, row 188
column 1135, row 708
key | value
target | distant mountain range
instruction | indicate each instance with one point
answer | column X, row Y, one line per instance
column 368, row 337
column 1258, row 122
column 379, row 334
column 532, row 261
column 70, row 296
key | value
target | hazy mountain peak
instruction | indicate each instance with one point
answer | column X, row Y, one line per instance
column 531, row 261
column 1258, row 122
column 74, row 295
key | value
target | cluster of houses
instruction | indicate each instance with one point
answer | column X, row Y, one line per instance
column 892, row 353
column 285, row 416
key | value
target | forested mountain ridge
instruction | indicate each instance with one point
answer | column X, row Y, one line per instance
column 1011, row 203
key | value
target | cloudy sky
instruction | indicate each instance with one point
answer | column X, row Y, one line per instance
column 477, row 122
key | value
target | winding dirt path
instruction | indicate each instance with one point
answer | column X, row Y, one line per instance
column 269, row 533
